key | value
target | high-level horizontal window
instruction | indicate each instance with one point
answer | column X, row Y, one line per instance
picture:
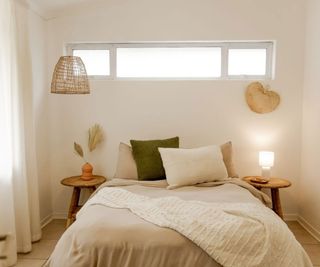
column 247, row 62
column 194, row 60
column 169, row 62
column 97, row 62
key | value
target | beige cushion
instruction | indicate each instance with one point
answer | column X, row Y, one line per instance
column 227, row 153
column 193, row 166
column 126, row 166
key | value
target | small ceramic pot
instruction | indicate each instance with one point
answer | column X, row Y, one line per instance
column 87, row 172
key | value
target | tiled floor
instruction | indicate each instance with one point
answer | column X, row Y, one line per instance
column 311, row 245
column 42, row 250
column 52, row 232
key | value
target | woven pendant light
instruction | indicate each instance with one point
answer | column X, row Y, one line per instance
column 70, row 77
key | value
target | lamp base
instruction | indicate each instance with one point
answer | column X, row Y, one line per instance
column 265, row 174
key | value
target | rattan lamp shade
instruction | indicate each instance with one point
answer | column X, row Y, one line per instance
column 70, row 77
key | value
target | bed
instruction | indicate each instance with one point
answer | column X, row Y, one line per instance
column 113, row 229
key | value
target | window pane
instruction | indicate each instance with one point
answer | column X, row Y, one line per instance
column 97, row 62
column 174, row 62
column 247, row 61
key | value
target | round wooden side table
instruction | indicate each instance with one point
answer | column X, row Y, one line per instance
column 77, row 183
column 274, row 184
column 3, row 238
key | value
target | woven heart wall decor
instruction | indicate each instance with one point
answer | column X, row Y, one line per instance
column 260, row 99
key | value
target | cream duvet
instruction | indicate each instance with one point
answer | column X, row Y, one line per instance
column 144, row 224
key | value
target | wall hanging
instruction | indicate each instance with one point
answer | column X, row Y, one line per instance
column 260, row 99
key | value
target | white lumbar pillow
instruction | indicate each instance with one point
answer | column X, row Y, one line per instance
column 193, row 166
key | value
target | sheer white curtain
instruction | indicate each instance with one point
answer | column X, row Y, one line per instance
column 19, row 203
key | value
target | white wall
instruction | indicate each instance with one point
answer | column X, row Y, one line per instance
column 38, row 49
column 200, row 112
column 309, row 186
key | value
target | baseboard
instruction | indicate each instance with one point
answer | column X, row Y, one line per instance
column 59, row 215
column 46, row 220
column 309, row 228
column 290, row 217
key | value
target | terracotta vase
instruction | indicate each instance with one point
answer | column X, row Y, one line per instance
column 87, row 172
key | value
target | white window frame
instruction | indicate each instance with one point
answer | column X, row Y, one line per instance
column 225, row 46
column 95, row 46
column 269, row 46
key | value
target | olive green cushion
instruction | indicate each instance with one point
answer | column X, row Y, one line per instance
column 148, row 159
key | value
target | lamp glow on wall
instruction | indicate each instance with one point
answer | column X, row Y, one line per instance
column 266, row 161
column 70, row 77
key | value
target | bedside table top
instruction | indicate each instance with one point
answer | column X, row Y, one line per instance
column 273, row 183
column 76, row 181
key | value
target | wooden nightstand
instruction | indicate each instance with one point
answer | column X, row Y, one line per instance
column 3, row 238
column 77, row 183
column 274, row 184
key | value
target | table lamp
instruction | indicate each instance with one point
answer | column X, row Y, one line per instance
column 266, row 160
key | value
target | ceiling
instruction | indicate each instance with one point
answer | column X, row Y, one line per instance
column 51, row 8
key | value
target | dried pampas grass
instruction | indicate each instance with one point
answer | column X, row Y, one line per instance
column 95, row 136
column 78, row 149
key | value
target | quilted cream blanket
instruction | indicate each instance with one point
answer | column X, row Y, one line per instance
column 233, row 234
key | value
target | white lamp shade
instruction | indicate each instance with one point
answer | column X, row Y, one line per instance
column 266, row 158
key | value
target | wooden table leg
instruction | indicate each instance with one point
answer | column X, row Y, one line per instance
column 73, row 205
column 3, row 238
column 92, row 189
column 276, row 204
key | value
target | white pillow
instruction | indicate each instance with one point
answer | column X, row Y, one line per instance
column 193, row 166
column 126, row 166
